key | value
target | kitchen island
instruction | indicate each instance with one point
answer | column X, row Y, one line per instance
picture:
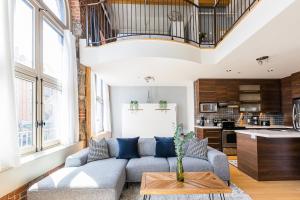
column 267, row 155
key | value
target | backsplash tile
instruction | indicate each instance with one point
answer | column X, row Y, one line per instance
column 233, row 114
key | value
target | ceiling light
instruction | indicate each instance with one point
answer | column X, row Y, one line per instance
column 262, row 60
column 228, row 70
column 270, row 70
column 149, row 79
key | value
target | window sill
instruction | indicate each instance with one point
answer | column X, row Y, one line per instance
column 31, row 157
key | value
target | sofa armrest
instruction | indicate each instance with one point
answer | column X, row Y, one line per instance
column 77, row 159
column 219, row 162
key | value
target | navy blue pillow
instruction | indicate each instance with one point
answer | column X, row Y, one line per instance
column 128, row 148
column 165, row 147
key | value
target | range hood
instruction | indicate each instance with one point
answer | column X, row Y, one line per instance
column 230, row 104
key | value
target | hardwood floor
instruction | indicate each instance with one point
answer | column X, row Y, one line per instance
column 265, row 190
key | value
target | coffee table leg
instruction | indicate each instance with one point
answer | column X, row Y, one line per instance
column 149, row 197
column 145, row 197
column 222, row 196
column 211, row 196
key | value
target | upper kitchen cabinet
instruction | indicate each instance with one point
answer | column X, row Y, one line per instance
column 207, row 91
column 295, row 83
column 227, row 90
column 286, row 101
column 216, row 90
column 271, row 96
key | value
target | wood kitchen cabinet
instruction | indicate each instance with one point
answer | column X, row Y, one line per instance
column 286, row 101
column 207, row 91
column 216, row 90
column 271, row 96
column 227, row 90
column 214, row 136
column 295, row 83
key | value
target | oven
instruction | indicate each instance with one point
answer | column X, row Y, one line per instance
column 229, row 138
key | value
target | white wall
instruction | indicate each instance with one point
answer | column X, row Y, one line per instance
column 172, row 94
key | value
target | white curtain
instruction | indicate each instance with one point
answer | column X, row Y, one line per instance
column 96, row 88
column 93, row 103
column 106, row 109
column 8, row 119
column 69, row 107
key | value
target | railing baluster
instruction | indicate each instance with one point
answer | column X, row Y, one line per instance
column 108, row 21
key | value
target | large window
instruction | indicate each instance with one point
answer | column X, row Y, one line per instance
column 38, row 39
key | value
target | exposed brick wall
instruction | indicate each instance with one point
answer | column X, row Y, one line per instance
column 21, row 192
column 75, row 10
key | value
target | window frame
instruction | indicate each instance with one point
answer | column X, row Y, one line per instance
column 40, row 13
column 66, row 22
column 19, row 75
column 52, row 143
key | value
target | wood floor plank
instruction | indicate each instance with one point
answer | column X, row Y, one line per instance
column 265, row 190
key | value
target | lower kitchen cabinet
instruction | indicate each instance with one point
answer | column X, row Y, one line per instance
column 214, row 137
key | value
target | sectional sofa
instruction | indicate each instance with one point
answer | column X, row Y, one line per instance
column 104, row 179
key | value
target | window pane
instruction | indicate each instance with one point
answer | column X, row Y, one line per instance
column 51, row 103
column 52, row 51
column 25, row 112
column 23, row 33
column 57, row 7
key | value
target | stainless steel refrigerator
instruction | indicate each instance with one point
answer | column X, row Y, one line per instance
column 296, row 114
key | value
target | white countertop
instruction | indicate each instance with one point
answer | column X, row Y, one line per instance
column 270, row 133
column 250, row 127
column 209, row 127
column 268, row 127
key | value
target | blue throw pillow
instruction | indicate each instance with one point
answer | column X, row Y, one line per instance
column 128, row 148
column 165, row 147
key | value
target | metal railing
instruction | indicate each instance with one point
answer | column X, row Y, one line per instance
column 111, row 20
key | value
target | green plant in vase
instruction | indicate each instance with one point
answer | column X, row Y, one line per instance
column 180, row 139
column 163, row 104
column 134, row 105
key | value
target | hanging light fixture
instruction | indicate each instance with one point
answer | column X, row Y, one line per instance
column 149, row 79
column 262, row 60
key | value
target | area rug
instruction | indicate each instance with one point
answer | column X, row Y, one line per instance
column 233, row 162
column 133, row 190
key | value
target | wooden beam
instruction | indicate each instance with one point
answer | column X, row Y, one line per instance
column 88, row 104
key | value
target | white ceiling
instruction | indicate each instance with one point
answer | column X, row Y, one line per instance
column 278, row 37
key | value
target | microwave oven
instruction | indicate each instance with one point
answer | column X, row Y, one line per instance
column 208, row 107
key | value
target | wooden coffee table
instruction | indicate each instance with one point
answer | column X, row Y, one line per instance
column 164, row 183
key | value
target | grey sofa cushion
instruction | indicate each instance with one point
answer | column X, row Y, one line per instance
column 98, row 150
column 191, row 165
column 137, row 166
column 105, row 177
column 146, row 146
column 113, row 147
column 77, row 159
column 197, row 148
